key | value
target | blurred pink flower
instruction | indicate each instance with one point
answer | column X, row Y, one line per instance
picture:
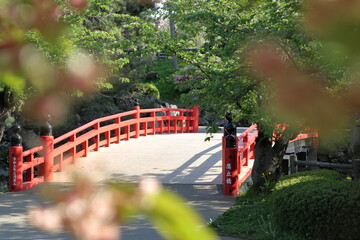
column 88, row 213
column 94, row 213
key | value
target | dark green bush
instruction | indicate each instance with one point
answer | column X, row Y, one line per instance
column 146, row 89
column 317, row 205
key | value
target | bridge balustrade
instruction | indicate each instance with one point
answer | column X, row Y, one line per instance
column 233, row 158
column 53, row 154
column 236, row 157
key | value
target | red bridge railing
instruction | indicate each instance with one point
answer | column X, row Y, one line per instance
column 53, row 154
column 237, row 156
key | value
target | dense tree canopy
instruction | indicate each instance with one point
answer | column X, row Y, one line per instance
column 253, row 58
column 228, row 28
column 260, row 56
column 50, row 51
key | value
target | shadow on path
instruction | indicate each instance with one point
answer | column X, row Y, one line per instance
column 206, row 199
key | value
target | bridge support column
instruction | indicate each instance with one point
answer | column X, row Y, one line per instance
column 16, row 160
column 231, row 167
column 46, row 169
column 196, row 119
column 231, row 174
column 137, row 118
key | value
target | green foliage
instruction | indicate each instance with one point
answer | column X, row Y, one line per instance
column 95, row 30
column 241, row 220
column 250, row 218
column 226, row 84
column 269, row 182
column 308, row 205
column 316, row 175
column 317, row 205
column 85, row 110
column 137, row 70
column 134, row 8
column 230, row 30
column 9, row 121
column 56, row 54
column 146, row 89
column 176, row 220
column 165, row 83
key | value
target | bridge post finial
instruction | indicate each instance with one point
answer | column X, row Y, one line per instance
column 16, row 139
column 47, row 138
column 230, row 131
column 46, row 128
column 137, row 117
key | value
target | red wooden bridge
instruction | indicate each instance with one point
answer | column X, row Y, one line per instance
column 101, row 146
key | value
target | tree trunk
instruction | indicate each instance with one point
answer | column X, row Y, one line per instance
column 268, row 159
column 172, row 34
column 2, row 124
column 8, row 104
column 354, row 146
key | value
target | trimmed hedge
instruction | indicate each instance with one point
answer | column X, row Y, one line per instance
column 317, row 205
column 301, row 177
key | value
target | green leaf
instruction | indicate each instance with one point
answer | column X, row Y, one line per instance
column 13, row 81
column 176, row 220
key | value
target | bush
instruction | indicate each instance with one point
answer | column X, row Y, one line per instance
column 321, row 175
column 317, row 205
column 146, row 89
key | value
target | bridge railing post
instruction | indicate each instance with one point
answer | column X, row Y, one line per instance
column 153, row 123
column 15, row 160
column 230, row 170
column 223, row 172
column 246, row 152
column 97, row 136
column 46, row 169
column 137, row 119
column 168, row 121
column 230, row 154
column 117, row 130
column 252, row 150
column 195, row 122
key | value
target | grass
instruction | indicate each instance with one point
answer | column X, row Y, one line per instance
column 250, row 218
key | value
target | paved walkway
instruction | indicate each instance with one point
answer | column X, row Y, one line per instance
column 184, row 163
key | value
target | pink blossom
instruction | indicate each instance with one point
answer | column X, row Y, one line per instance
column 87, row 212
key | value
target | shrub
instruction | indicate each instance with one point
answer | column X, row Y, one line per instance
column 321, row 174
column 146, row 89
column 317, row 205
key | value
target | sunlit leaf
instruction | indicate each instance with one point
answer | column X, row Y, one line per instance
column 176, row 220
column 12, row 80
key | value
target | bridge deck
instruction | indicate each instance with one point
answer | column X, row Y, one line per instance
column 172, row 158
column 177, row 160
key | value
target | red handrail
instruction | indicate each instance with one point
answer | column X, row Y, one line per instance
column 246, row 150
column 234, row 158
column 101, row 132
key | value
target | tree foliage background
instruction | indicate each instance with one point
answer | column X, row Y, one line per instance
column 270, row 62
